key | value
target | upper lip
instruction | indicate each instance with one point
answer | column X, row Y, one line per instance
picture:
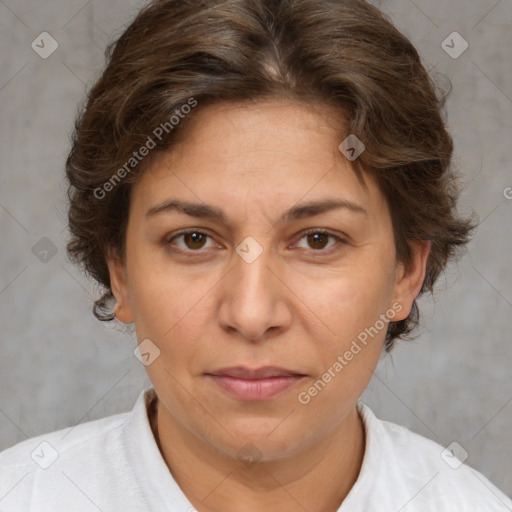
column 264, row 372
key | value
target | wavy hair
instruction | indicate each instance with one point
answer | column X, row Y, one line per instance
column 344, row 53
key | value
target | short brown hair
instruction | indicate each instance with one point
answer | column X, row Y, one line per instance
column 344, row 53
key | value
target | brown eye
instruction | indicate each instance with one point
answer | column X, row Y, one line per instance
column 194, row 239
column 318, row 240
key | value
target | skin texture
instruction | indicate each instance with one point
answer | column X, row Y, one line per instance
column 299, row 305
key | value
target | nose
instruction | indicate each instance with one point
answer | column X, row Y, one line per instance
column 255, row 303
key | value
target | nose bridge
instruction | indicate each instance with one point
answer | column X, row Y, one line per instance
column 252, row 301
column 253, row 266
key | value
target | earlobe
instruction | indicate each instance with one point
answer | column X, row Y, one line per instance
column 410, row 278
column 119, row 286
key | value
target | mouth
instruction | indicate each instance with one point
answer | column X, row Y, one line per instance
column 255, row 384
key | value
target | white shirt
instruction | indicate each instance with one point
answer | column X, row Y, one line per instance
column 114, row 465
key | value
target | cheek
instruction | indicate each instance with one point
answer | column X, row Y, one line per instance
column 354, row 298
column 159, row 297
column 351, row 305
column 349, row 355
column 358, row 304
column 173, row 311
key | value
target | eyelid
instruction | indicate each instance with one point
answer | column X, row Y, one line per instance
column 176, row 234
column 324, row 231
column 323, row 252
column 340, row 239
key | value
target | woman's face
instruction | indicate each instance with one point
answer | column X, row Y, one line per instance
column 248, row 288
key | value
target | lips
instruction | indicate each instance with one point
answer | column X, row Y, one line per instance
column 255, row 384
column 240, row 372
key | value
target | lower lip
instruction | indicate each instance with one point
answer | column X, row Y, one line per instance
column 256, row 389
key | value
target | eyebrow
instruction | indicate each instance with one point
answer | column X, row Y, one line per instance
column 300, row 211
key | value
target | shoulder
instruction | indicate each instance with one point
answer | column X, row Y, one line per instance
column 44, row 449
column 426, row 475
column 65, row 469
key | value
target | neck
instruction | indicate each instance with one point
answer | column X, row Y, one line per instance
column 317, row 479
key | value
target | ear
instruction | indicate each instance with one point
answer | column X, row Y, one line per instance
column 119, row 285
column 409, row 279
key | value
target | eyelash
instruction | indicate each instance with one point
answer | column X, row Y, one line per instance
column 191, row 252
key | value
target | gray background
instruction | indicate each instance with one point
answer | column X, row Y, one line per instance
column 60, row 366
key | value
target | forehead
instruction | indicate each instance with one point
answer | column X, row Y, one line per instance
column 263, row 125
column 267, row 152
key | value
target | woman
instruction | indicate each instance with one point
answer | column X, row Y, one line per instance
column 264, row 189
